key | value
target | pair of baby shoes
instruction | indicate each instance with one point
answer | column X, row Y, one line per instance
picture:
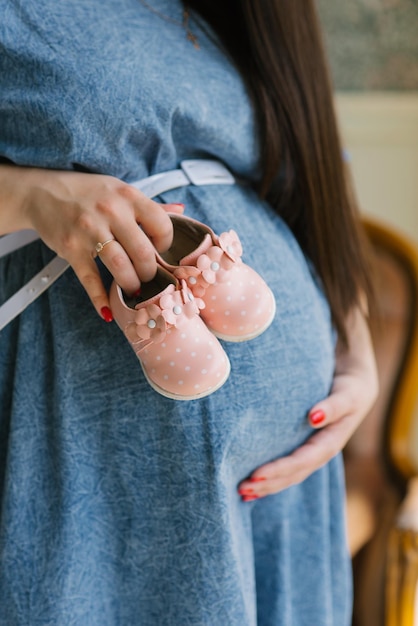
column 202, row 290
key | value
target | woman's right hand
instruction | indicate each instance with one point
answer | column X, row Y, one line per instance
column 73, row 211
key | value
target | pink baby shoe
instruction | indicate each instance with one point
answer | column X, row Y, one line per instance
column 239, row 304
column 180, row 358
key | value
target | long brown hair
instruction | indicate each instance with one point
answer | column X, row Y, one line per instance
column 278, row 49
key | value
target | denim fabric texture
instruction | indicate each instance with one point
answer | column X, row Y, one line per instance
column 119, row 507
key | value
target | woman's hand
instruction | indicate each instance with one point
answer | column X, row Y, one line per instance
column 353, row 393
column 73, row 211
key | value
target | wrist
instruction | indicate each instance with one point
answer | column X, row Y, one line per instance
column 15, row 185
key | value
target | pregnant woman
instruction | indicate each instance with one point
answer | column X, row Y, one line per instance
column 121, row 505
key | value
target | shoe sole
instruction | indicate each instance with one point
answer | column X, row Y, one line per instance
column 173, row 396
column 198, row 396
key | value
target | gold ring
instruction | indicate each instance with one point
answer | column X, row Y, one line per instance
column 99, row 246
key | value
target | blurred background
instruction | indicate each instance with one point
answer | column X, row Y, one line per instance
column 372, row 47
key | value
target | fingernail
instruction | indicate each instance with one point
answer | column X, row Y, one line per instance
column 317, row 417
column 178, row 204
column 246, row 492
column 249, row 498
column 106, row 314
column 257, row 479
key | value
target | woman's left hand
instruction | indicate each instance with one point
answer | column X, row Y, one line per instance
column 353, row 393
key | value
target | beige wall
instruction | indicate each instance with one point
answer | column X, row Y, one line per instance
column 380, row 132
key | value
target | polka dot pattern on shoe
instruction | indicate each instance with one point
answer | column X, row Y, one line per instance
column 193, row 360
column 241, row 307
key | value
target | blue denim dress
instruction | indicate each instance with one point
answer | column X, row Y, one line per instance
column 119, row 507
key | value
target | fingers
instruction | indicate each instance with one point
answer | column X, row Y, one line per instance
column 140, row 243
column 335, row 418
column 119, row 264
column 130, row 254
column 352, row 395
column 150, row 215
column 332, row 408
column 355, row 386
column 89, row 277
column 155, row 222
column 296, row 467
column 131, row 257
column 73, row 212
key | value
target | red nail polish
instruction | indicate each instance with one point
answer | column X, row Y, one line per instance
column 137, row 293
column 249, row 498
column 246, row 492
column 317, row 417
column 106, row 314
column 257, row 479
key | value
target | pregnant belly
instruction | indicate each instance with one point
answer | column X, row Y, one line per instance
column 261, row 412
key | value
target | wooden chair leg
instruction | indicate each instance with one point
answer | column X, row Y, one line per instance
column 402, row 564
column 393, row 579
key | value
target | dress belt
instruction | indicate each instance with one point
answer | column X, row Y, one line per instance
column 193, row 172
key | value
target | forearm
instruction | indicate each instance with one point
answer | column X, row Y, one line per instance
column 359, row 353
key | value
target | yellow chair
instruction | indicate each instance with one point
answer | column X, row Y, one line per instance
column 382, row 457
